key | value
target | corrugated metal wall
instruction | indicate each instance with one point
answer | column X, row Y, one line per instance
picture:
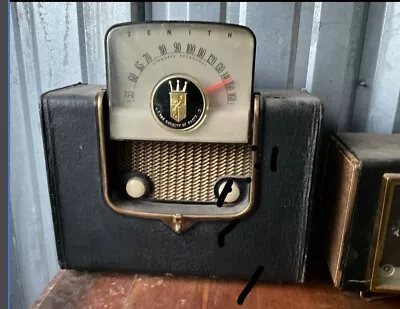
column 378, row 101
column 52, row 45
column 348, row 54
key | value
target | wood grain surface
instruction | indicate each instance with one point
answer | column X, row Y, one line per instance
column 73, row 289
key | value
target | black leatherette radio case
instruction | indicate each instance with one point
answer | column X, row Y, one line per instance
column 91, row 236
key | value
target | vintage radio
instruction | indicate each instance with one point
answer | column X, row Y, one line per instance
column 177, row 165
column 362, row 192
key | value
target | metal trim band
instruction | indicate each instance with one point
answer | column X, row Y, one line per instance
column 177, row 222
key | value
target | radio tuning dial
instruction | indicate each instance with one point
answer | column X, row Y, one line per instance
column 164, row 79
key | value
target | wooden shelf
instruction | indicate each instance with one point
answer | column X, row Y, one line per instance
column 75, row 289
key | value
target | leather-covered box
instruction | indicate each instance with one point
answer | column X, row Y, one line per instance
column 362, row 199
column 92, row 236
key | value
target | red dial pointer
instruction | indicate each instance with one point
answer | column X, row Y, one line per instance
column 217, row 85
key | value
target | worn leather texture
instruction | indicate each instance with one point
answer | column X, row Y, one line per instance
column 375, row 154
column 91, row 236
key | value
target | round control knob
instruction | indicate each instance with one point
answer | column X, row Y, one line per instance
column 233, row 195
column 137, row 187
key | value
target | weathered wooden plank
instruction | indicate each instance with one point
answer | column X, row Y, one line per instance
column 46, row 293
column 108, row 291
column 167, row 292
column 100, row 290
column 66, row 291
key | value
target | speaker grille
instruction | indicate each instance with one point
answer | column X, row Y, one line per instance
column 186, row 171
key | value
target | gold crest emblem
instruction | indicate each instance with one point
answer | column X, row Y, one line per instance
column 177, row 99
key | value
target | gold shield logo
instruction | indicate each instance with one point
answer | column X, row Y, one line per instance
column 177, row 99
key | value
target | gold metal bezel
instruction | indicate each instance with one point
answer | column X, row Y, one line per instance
column 203, row 116
column 177, row 222
column 389, row 183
